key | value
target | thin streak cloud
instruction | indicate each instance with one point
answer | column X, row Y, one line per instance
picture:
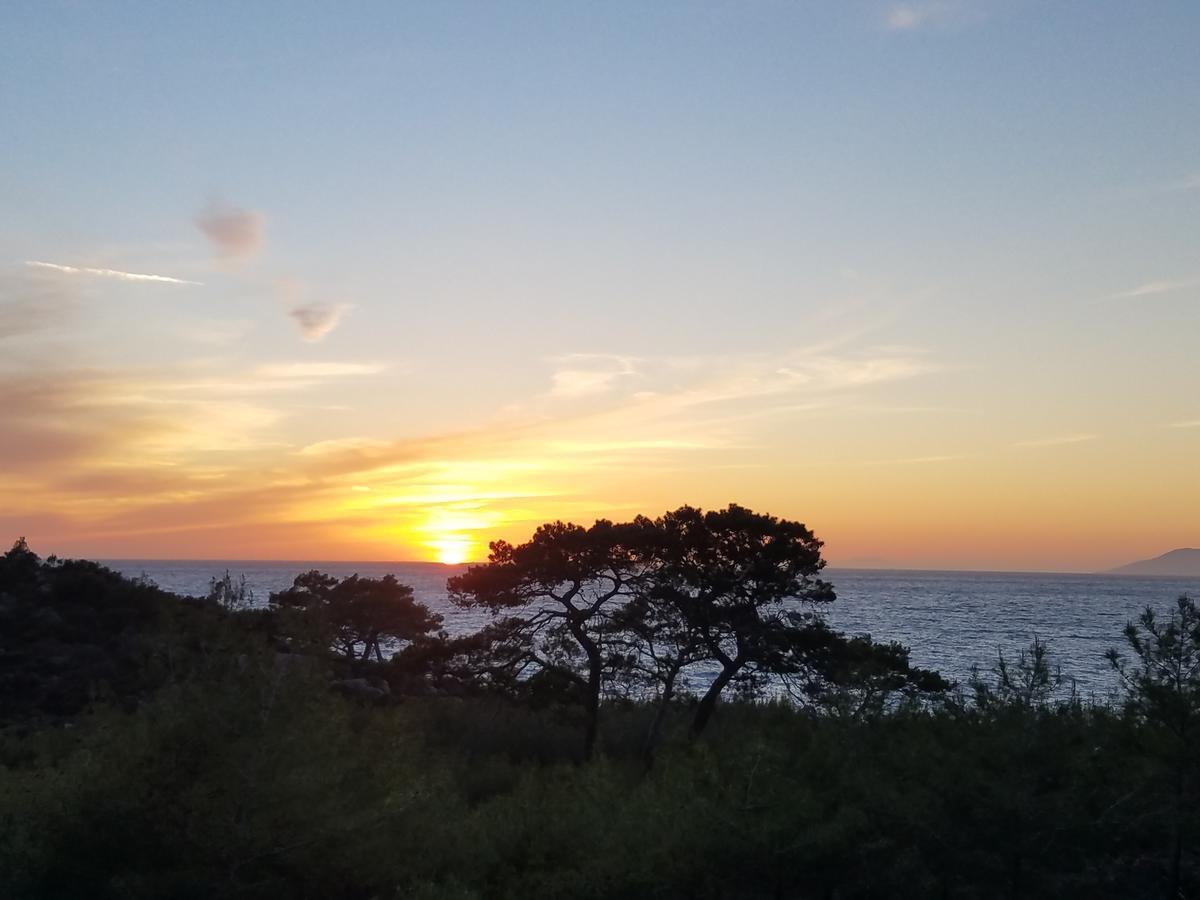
column 317, row 369
column 915, row 460
column 1155, row 287
column 108, row 273
column 1057, row 441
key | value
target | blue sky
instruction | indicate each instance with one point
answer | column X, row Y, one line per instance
column 490, row 206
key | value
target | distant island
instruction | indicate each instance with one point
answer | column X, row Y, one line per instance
column 1184, row 561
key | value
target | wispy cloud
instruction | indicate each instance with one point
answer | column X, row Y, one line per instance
column 673, row 384
column 921, row 14
column 916, row 460
column 1177, row 185
column 835, row 372
column 1156, row 287
column 221, row 466
column 317, row 369
column 341, row 445
column 107, row 273
column 317, row 320
column 1186, row 423
column 233, row 232
column 609, row 446
column 587, row 374
column 1057, row 441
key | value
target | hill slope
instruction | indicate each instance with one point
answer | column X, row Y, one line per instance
column 1184, row 561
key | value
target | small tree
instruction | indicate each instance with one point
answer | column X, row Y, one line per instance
column 560, row 588
column 20, row 567
column 732, row 577
column 659, row 645
column 229, row 593
column 850, row 676
column 1030, row 682
column 354, row 615
column 1162, row 691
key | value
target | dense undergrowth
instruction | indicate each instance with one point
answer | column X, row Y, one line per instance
column 157, row 747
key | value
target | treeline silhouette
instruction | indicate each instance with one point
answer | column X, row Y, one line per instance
column 655, row 708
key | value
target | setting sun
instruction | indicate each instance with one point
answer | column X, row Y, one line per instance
column 451, row 551
column 452, row 534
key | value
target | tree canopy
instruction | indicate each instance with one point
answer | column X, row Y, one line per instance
column 636, row 606
column 353, row 615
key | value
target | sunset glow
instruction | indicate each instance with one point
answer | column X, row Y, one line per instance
column 460, row 296
column 452, row 551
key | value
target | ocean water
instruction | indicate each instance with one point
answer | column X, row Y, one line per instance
column 950, row 620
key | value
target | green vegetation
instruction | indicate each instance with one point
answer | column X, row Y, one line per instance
column 155, row 746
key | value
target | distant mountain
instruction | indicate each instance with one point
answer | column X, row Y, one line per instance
column 1185, row 561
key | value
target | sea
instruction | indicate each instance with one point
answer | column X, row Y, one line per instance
column 951, row 621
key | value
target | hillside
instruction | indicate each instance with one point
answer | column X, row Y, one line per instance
column 1182, row 562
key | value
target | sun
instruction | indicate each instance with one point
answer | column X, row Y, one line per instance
column 450, row 533
column 451, row 550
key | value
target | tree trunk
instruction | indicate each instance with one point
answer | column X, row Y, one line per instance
column 592, row 710
column 708, row 702
column 1176, row 864
column 592, row 702
column 368, row 643
column 1177, row 843
column 660, row 715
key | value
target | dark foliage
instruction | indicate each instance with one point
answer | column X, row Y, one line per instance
column 623, row 610
column 351, row 616
column 557, row 593
column 159, row 748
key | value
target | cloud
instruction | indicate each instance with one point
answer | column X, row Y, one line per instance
column 1182, row 185
column 234, row 232
column 158, row 417
column 588, row 374
column 915, row 460
column 316, row 320
column 342, row 445
column 916, row 16
column 684, row 382
column 609, row 446
column 202, row 457
column 1155, row 287
column 1187, row 423
column 317, row 369
column 834, row 372
column 53, row 418
column 108, row 273
column 1057, row 441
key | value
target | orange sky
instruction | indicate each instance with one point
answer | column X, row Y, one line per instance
column 172, row 464
column 390, row 282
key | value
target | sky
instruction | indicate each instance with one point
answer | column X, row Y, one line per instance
column 388, row 281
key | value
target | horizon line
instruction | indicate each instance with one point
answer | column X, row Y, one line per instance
column 433, row 562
